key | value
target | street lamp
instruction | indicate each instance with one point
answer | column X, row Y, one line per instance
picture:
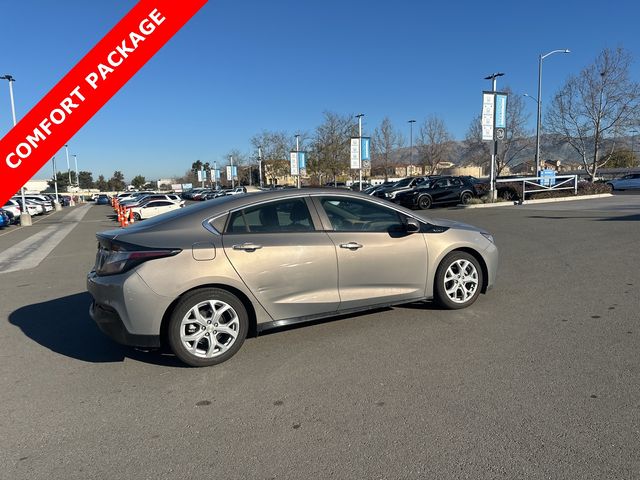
column 25, row 218
column 539, row 100
column 75, row 158
column 492, row 176
column 260, row 163
column 411, row 122
column 359, row 117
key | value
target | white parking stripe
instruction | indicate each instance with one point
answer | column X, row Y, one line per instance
column 31, row 251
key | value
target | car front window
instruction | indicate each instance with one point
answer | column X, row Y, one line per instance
column 291, row 215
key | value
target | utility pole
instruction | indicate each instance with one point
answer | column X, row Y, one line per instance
column 260, row 163
column 233, row 181
column 359, row 116
column 25, row 218
column 298, row 157
column 492, row 176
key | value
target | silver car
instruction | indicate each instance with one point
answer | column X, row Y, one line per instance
column 204, row 277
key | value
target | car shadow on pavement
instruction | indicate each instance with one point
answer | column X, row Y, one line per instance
column 63, row 325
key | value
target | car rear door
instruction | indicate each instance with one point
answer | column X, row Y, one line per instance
column 288, row 264
column 378, row 261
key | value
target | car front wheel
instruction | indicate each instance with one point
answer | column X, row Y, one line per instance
column 458, row 280
column 207, row 327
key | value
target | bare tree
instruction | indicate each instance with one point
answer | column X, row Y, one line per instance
column 593, row 109
column 330, row 146
column 434, row 143
column 275, row 153
column 476, row 152
column 386, row 139
column 517, row 136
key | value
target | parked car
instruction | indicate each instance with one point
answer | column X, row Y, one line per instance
column 46, row 203
column 439, row 191
column 627, row 182
column 13, row 207
column 152, row 196
column 32, row 208
column 132, row 196
column 403, row 185
column 153, row 208
column 203, row 277
column 103, row 200
column 5, row 220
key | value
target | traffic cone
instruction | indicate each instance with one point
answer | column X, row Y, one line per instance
column 126, row 219
column 119, row 216
column 131, row 219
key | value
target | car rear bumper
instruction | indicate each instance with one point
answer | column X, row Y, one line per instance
column 110, row 323
column 126, row 309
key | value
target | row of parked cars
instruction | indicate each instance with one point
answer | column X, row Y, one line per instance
column 423, row 192
column 201, row 194
column 34, row 204
column 145, row 204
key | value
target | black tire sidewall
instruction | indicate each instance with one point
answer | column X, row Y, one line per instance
column 465, row 197
column 440, row 294
column 427, row 200
column 184, row 305
column 136, row 217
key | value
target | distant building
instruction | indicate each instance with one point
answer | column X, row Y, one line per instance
column 166, row 181
column 36, row 186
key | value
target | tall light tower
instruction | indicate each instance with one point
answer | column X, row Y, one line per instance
column 411, row 122
column 539, row 118
column 25, row 218
column 75, row 158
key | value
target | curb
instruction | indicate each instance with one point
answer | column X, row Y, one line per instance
column 542, row 200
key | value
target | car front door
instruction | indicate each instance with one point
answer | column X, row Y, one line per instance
column 288, row 264
column 378, row 261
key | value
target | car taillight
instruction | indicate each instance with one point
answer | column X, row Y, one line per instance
column 117, row 259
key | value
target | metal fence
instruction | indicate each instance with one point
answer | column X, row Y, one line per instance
column 543, row 184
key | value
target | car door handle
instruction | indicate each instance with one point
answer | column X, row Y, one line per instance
column 351, row 245
column 247, row 247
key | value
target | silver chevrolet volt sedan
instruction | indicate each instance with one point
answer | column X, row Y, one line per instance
column 202, row 278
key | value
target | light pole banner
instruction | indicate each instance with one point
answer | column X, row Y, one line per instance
column 87, row 87
column 488, row 112
column 501, row 110
column 366, row 143
column 295, row 168
column 355, row 153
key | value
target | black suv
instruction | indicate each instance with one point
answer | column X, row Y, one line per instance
column 403, row 185
column 438, row 191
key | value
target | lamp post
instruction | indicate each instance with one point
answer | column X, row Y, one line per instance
column 492, row 175
column 633, row 141
column 260, row 163
column 359, row 117
column 25, row 218
column 411, row 122
column 55, row 184
column 539, row 100
column 75, row 159
column 233, row 180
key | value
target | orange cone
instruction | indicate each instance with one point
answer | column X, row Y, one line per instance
column 126, row 218
column 131, row 219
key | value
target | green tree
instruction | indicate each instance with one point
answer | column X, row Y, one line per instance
column 116, row 182
column 101, row 184
column 621, row 159
column 386, row 139
column 138, row 181
column 275, row 148
column 86, row 179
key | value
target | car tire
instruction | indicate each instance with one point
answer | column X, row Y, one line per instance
column 136, row 217
column 465, row 198
column 424, row 202
column 202, row 316
column 611, row 186
column 458, row 281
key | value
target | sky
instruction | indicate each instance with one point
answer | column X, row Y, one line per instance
column 240, row 67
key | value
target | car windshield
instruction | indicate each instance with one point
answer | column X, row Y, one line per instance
column 404, row 182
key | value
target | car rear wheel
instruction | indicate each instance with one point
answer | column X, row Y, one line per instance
column 458, row 280
column 207, row 327
column 424, row 202
column 465, row 198
column 136, row 217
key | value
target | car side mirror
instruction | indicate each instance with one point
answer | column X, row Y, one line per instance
column 412, row 225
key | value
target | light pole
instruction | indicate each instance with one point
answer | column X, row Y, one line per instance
column 55, row 184
column 260, row 163
column 359, row 117
column 233, row 181
column 75, row 159
column 297, row 135
column 66, row 149
column 492, row 175
column 25, row 218
column 411, row 122
column 539, row 117
column 633, row 141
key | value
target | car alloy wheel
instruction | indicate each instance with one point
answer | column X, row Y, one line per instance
column 424, row 202
column 136, row 217
column 208, row 327
column 458, row 280
column 465, row 198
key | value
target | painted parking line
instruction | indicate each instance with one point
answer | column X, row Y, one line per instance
column 31, row 251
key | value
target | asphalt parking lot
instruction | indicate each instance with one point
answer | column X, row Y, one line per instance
column 538, row 379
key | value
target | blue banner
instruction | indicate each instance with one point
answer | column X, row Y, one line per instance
column 366, row 141
column 302, row 160
column 501, row 111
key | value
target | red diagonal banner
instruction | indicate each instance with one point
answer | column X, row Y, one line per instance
column 87, row 87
